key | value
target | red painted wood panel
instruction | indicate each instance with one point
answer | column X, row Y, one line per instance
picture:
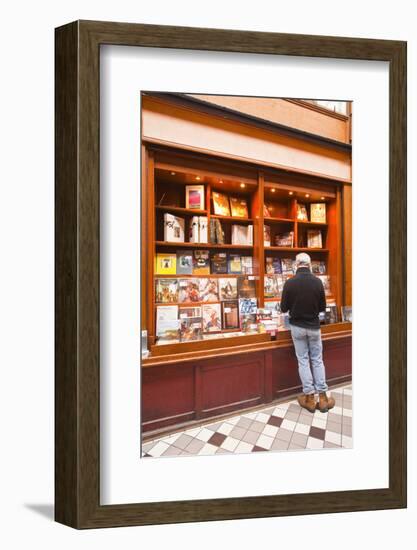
column 167, row 395
column 232, row 383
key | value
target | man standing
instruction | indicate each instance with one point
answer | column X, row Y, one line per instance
column 303, row 297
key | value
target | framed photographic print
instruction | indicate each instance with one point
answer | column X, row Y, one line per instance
column 171, row 409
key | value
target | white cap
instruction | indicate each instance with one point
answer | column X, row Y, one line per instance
column 302, row 260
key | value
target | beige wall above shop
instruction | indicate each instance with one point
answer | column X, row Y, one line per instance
column 308, row 117
column 187, row 127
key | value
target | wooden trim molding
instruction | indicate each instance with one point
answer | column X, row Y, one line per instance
column 318, row 109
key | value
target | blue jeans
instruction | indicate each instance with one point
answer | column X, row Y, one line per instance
column 308, row 349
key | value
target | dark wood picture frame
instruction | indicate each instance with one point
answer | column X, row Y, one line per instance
column 77, row 373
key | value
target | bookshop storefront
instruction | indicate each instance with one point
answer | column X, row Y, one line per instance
column 228, row 201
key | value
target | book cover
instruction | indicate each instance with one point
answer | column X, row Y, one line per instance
column 220, row 204
column 267, row 213
column 267, row 235
column 331, row 313
column 287, row 266
column 218, row 261
column 273, row 306
column 269, row 265
column 211, row 318
column 203, row 229
column 318, row 212
column 281, row 281
column 285, row 239
column 165, row 264
column 230, row 311
column 201, row 262
column 242, row 234
column 168, row 331
column 194, row 230
column 209, row 290
column 166, row 291
column 246, row 287
column 248, row 323
column 166, row 313
column 164, row 326
column 173, row 228
column 184, row 262
column 247, row 306
column 302, row 215
column 318, row 267
column 194, row 197
column 239, row 207
column 277, row 265
column 283, row 321
column 212, row 232
column 247, row 265
column 263, row 314
column 270, row 286
column 326, row 283
column 219, row 232
column 191, row 329
column 228, row 288
column 188, row 290
column 346, row 314
column 314, row 239
column 184, row 311
column 235, row 264
column 247, row 314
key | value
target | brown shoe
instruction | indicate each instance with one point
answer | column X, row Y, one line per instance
column 307, row 401
column 325, row 403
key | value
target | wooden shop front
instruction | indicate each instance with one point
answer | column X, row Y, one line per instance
column 272, row 168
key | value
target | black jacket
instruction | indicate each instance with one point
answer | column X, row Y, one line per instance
column 303, row 296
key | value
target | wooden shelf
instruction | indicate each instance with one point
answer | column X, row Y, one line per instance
column 209, row 275
column 278, row 220
column 204, row 245
column 191, row 304
column 180, row 210
column 313, row 224
column 295, row 249
column 231, row 218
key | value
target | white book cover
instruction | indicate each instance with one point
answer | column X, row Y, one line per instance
column 194, row 230
column 166, row 313
column 173, row 229
column 250, row 234
column 203, row 229
column 240, row 234
column 314, row 239
column 247, row 265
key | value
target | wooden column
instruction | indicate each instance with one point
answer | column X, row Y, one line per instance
column 258, row 238
column 148, row 243
column 347, row 244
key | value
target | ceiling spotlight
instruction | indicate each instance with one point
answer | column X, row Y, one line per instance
column 291, row 192
column 220, row 181
column 172, row 173
column 198, row 178
column 242, row 185
column 273, row 190
column 322, row 198
column 307, row 195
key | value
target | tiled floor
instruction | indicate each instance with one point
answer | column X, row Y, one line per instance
column 285, row 426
